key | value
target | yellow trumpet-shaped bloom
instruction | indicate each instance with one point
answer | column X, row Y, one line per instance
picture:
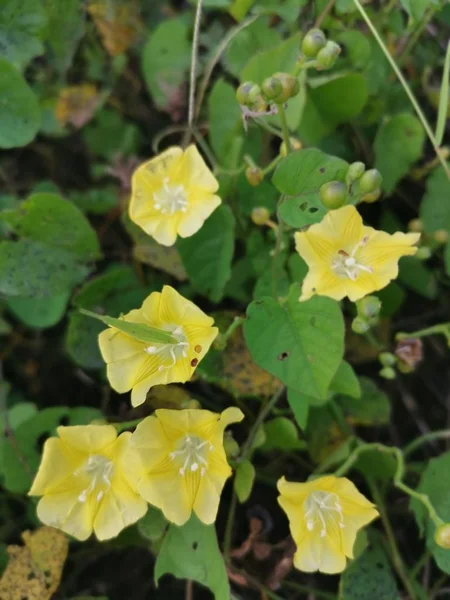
column 184, row 461
column 85, row 480
column 324, row 517
column 173, row 194
column 345, row 258
column 137, row 366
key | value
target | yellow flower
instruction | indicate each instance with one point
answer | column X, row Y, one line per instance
column 345, row 258
column 324, row 517
column 173, row 194
column 86, row 482
column 134, row 365
column 185, row 462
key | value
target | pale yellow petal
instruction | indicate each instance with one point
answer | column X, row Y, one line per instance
column 192, row 170
column 345, row 224
column 324, row 282
column 114, row 345
column 176, row 309
column 58, row 463
column 65, row 512
column 119, row 508
column 152, row 443
column 316, row 248
column 88, row 439
column 197, row 213
column 140, row 390
column 307, row 556
column 207, row 499
column 332, row 557
column 166, row 231
column 200, row 338
column 124, row 374
column 168, row 491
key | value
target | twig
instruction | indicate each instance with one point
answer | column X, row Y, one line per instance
column 198, row 18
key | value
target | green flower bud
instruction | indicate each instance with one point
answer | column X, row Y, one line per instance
column 295, row 145
column 387, row 359
column 254, row 175
column 333, row 194
column 259, row 104
column 360, row 325
column 290, row 87
column 326, row 58
column 415, row 225
column 423, row 253
column 370, row 181
column 243, row 92
column 442, row 536
column 403, row 367
column 368, row 307
column 313, row 42
column 272, row 88
column 441, row 236
column 355, row 171
column 230, row 446
column 388, row 373
column 371, row 196
column 260, row 215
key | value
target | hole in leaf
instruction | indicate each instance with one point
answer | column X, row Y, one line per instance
column 64, row 420
column 322, row 169
column 313, row 209
column 283, row 355
column 303, row 206
column 195, row 546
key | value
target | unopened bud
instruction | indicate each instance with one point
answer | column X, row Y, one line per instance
column 247, row 92
column 326, row 58
column 254, row 175
column 290, row 87
column 313, row 42
column 230, row 446
column 260, row 215
column 370, row 181
column 388, row 373
column 333, row 194
column 371, row 196
column 441, row 236
column 295, row 145
column 355, row 171
column 259, row 104
column 415, row 225
column 387, row 359
column 368, row 307
column 442, row 536
column 423, row 253
column 272, row 88
column 360, row 325
column 191, row 403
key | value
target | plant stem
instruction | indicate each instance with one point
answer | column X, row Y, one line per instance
column 324, row 13
column 406, row 87
column 229, row 527
column 193, row 75
column 284, row 127
column 442, row 434
column 271, row 166
column 269, row 128
column 443, row 328
column 395, row 554
column 416, row 34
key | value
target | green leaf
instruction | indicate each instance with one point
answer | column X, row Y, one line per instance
column 192, row 552
column 21, row 28
column 299, row 176
column 443, row 99
column 345, row 381
column 50, row 219
column 39, row 312
column 434, row 212
column 416, row 8
column 280, row 58
column 20, row 114
column 208, row 254
column 301, row 343
column 370, row 575
column 225, row 122
column 373, row 408
column 281, row 434
column 435, row 482
column 418, row 277
column 138, row 331
column 29, row 268
column 65, row 28
column 401, row 137
column 300, row 407
column 243, row 480
column 95, row 201
column 153, row 524
column 165, row 60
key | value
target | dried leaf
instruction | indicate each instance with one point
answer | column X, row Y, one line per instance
column 118, row 24
column 34, row 570
column 76, row 104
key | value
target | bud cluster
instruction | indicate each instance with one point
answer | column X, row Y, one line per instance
column 317, row 51
column 368, row 309
column 277, row 89
column 361, row 185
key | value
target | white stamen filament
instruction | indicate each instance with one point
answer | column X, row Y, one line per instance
column 192, row 451
column 346, row 264
column 171, row 351
column 170, row 198
column 318, row 507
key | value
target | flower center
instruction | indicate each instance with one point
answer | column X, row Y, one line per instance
column 323, row 508
column 191, row 454
column 170, row 198
column 100, row 470
column 346, row 265
column 171, row 352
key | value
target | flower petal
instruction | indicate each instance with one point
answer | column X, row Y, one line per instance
column 57, row 466
column 193, row 169
column 119, row 508
column 88, row 439
column 115, row 345
column 197, row 213
column 65, row 512
column 314, row 246
column 168, row 491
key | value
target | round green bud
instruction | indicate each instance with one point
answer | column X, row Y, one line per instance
column 254, row 175
column 404, row 367
column 415, row 225
column 192, row 404
column 423, row 253
column 371, row 196
column 259, row 104
column 442, row 536
column 272, row 88
column 313, row 42
column 360, row 325
column 333, row 194
column 441, row 236
column 295, row 145
column 290, row 87
column 387, row 373
column 387, row 359
column 355, row 171
column 326, row 58
column 230, row 446
column 243, row 92
column 368, row 307
column 370, row 181
column 260, row 215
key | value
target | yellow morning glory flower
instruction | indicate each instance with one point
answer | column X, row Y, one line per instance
column 137, row 366
column 324, row 517
column 86, row 482
column 173, row 194
column 345, row 258
column 185, row 462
